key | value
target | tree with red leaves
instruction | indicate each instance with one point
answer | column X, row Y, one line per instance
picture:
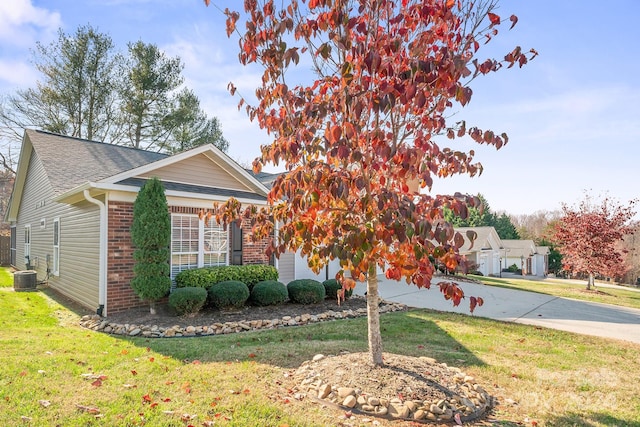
column 367, row 128
column 590, row 236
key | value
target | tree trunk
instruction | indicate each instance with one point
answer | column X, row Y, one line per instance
column 373, row 318
column 590, row 282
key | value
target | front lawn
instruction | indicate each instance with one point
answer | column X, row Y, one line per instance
column 55, row 373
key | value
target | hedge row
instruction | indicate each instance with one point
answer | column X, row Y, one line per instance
column 254, row 283
column 209, row 276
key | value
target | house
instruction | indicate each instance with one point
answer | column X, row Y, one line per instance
column 72, row 208
column 493, row 254
column 484, row 251
column 531, row 259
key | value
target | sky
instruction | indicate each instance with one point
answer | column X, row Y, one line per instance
column 572, row 114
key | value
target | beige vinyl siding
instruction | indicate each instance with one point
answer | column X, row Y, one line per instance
column 286, row 267
column 199, row 170
column 79, row 238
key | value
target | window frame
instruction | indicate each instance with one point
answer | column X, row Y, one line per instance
column 55, row 268
column 188, row 243
column 27, row 243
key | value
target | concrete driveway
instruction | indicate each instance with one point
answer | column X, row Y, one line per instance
column 530, row 308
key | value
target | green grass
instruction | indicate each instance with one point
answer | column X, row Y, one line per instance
column 560, row 288
column 556, row 378
column 6, row 278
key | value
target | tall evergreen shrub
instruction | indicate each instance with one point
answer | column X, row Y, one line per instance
column 151, row 236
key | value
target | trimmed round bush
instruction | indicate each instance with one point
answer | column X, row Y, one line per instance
column 188, row 300
column 269, row 292
column 228, row 295
column 306, row 291
column 332, row 286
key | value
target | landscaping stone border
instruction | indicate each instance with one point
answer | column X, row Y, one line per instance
column 101, row 324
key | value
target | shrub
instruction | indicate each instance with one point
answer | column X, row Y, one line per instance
column 269, row 292
column 187, row 300
column 208, row 276
column 228, row 294
column 306, row 291
column 332, row 286
column 151, row 236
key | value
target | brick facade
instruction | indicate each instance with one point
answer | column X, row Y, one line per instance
column 120, row 295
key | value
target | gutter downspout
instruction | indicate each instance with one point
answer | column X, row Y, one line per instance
column 102, row 268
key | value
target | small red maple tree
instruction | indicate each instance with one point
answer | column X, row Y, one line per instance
column 589, row 237
column 361, row 137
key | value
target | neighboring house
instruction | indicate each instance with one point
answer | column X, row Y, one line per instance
column 531, row 259
column 72, row 208
column 493, row 254
column 485, row 250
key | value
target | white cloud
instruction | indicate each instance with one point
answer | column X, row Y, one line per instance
column 21, row 21
column 17, row 73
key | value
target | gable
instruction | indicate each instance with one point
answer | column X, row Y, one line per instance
column 199, row 170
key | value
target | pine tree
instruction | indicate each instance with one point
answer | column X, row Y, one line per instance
column 151, row 235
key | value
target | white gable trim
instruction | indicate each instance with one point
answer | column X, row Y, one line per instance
column 211, row 151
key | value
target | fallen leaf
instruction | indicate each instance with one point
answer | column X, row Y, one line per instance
column 166, row 399
column 23, row 373
column 25, row 419
column 153, row 405
column 129, row 386
column 41, row 372
column 146, row 398
column 124, row 351
column 134, row 372
column 457, row 419
column 152, row 359
column 44, row 403
column 89, row 409
column 97, row 383
column 196, row 362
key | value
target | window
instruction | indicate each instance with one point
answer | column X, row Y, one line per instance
column 27, row 244
column 194, row 244
column 55, row 268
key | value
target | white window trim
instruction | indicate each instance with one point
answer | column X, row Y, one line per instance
column 27, row 244
column 55, row 268
column 222, row 244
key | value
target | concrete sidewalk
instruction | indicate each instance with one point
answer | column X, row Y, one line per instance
column 565, row 314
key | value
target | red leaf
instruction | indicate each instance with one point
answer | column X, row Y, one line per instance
column 152, row 359
column 153, row 405
column 146, row 398
column 252, row 355
column 495, row 19
column 97, row 383
column 134, row 372
column 196, row 362
column 514, row 21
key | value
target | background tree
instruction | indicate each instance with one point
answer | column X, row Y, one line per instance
column 482, row 216
column 190, row 126
column 146, row 93
column 504, row 227
column 151, row 236
column 88, row 90
column 589, row 236
column 535, row 226
column 367, row 126
column 75, row 96
column 631, row 248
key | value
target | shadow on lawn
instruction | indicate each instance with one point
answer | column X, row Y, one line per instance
column 288, row 347
column 591, row 419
